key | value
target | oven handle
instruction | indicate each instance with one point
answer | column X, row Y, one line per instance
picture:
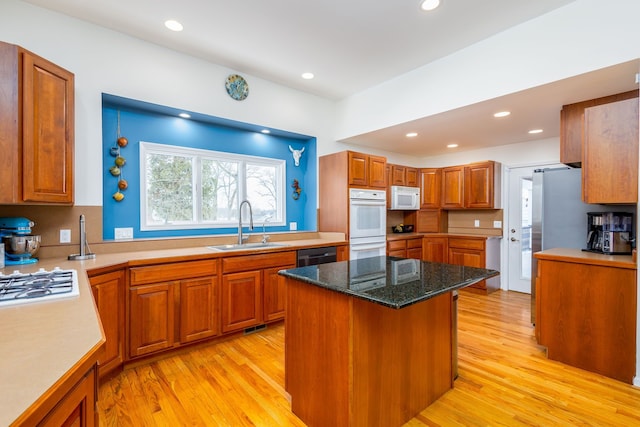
column 366, row 246
column 361, row 202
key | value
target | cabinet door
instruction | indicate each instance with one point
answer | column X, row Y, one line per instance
column 358, row 169
column 478, row 185
column 430, row 188
column 435, row 249
column 241, row 300
column 430, row 221
column 377, row 172
column 469, row 258
column 198, row 312
column 48, row 131
column 397, row 175
column 414, row 248
column 411, row 177
column 610, row 153
column 275, row 295
column 77, row 408
column 151, row 318
column 453, row 187
column 108, row 292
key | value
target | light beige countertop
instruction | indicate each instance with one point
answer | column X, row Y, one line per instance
column 583, row 257
column 41, row 341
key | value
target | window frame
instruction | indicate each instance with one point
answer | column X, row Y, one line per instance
column 197, row 155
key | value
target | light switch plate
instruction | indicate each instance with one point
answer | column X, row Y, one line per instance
column 293, row 226
column 123, row 233
column 65, row 236
column 497, row 224
column 476, row 223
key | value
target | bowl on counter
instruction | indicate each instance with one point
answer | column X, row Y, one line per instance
column 21, row 246
column 402, row 228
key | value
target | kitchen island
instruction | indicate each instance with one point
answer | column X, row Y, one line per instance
column 369, row 342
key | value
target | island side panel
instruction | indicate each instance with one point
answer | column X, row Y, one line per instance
column 401, row 359
column 317, row 331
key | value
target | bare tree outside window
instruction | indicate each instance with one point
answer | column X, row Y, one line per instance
column 169, row 188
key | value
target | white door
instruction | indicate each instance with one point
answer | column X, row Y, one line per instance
column 519, row 229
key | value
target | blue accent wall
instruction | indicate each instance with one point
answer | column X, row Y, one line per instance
column 141, row 121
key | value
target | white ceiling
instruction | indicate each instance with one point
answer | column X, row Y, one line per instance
column 351, row 45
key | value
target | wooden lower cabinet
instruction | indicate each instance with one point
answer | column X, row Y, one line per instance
column 198, row 306
column 435, row 249
column 476, row 252
column 151, row 318
column 241, row 300
column 171, row 305
column 586, row 316
column 414, row 248
column 77, row 408
column 109, row 294
column 405, row 248
column 252, row 291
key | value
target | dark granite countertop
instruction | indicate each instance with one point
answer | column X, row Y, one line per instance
column 390, row 281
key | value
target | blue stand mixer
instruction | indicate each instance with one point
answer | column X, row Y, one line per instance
column 19, row 245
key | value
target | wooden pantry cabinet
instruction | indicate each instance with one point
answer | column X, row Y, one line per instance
column 172, row 304
column 252, row 291
column 109, row 295
column 610, row 153
column 36, row 129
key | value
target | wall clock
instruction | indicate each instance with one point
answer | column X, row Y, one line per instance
column 237, row 87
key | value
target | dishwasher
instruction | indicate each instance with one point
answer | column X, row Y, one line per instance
column 315, row 256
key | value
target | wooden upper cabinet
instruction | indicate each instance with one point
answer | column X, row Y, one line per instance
column 36, row 129
column 403, row 175
column 480, row 185
column 610, row 153
column 452, row 187
column 430, row 188
column 367, row 171
column 473, row 186
column 571, row 117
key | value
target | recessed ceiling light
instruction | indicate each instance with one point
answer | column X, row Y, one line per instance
column 502, row 114
column 429, row 4
column 173, row 25
column 185, row 115
column 265, row 131
column 532, row 131
column 307, row 76
column 452, row 145
column 411, row 134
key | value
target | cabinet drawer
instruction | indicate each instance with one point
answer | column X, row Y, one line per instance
column 414, row 243
column 394, row 245
column 257, row 262
column 466, row 243
column 172, row 271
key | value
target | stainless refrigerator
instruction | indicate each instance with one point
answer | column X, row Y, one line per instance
column 559, row 216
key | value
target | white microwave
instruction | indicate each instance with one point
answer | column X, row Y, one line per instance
column 405, row 198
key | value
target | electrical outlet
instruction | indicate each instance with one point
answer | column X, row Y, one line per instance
column 476, row 223
column 123, row 233
column 65, row 236
column 293, row 226
column 497, row 224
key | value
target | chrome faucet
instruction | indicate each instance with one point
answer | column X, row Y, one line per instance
column 265, row 236
column 240, row 238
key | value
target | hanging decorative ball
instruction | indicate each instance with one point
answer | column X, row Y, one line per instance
column 115, row 170
column 123, row 184
column 120, row 161
column 114, row 151
column 118, row 196
column 122, row 141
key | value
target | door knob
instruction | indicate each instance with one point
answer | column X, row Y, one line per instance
column 513, row 239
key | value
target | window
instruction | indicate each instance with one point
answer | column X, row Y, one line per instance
column 192, row 188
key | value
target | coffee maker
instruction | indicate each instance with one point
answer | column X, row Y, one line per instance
column 610, row 233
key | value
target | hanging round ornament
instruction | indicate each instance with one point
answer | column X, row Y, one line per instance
column 237, row 87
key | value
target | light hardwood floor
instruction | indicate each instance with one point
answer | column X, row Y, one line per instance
column 504, row 380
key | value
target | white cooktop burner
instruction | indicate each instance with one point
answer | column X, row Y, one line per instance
column 42, row 285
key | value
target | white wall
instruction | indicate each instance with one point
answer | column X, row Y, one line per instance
column 583, row 36
column 106, row 61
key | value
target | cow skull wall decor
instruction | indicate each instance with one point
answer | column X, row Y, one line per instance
column 296, row 155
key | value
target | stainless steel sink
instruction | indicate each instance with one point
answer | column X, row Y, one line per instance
column 247, row 246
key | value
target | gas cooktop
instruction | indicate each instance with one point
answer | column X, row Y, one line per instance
column 42, row 285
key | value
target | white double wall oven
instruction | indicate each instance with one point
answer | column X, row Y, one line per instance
column 367, row 223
